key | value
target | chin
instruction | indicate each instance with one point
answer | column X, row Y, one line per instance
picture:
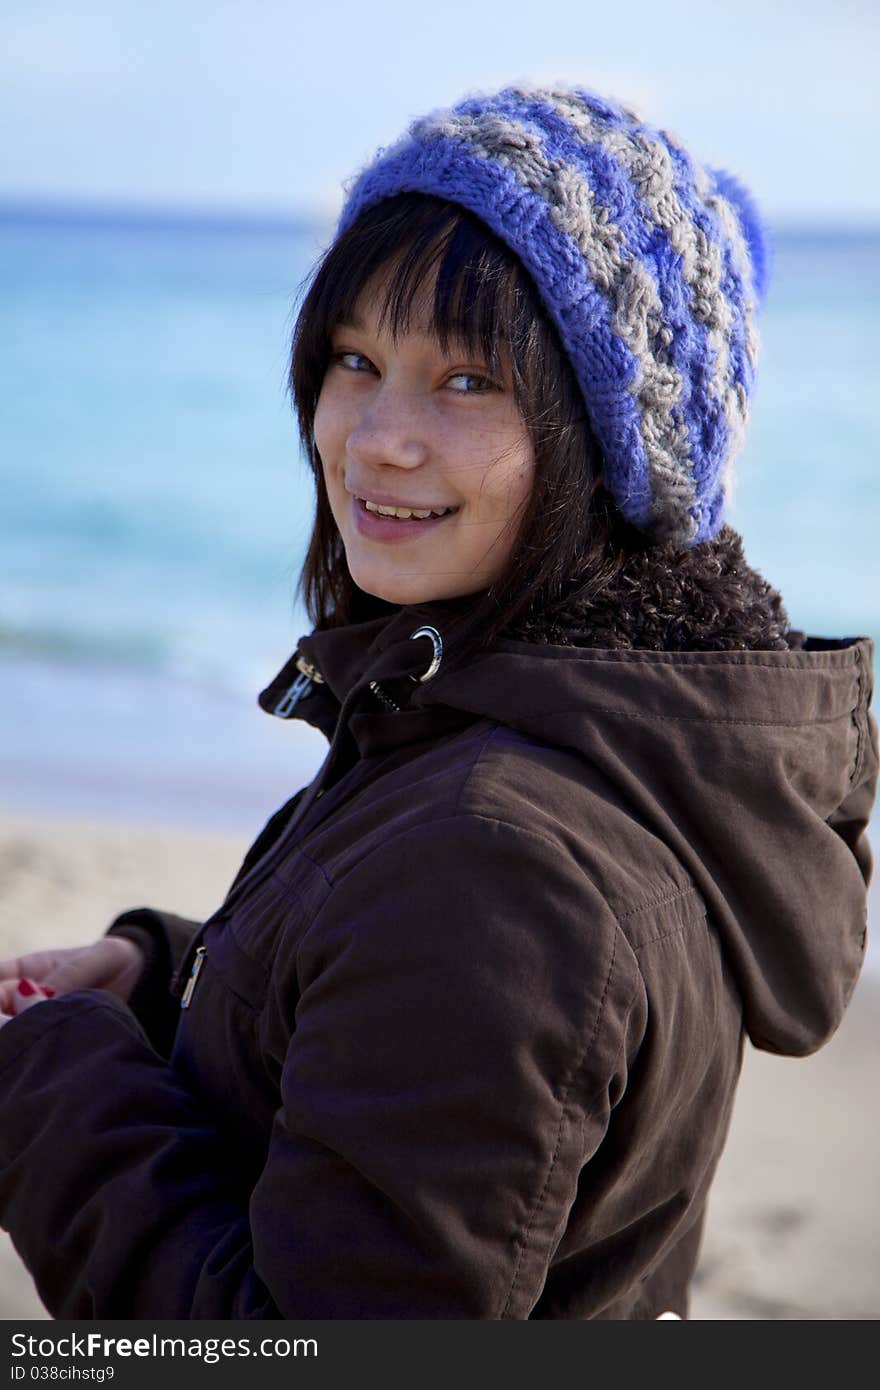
column 405, row 590
column 401, row 593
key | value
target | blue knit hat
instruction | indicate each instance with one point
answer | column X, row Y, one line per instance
column 649, row 264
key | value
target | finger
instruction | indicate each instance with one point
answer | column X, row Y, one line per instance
column 93, row 967
column 27, row 993
column 83, row 969
column 32, row 966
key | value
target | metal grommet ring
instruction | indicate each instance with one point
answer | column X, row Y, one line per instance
column 437, row 641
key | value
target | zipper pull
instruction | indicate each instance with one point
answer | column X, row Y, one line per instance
column 193, row 976
column 292, row 696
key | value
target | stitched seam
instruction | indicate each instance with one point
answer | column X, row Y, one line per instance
column 458, row 816
column 667, row 935
column 315, row 865
column 414, row 829
column 719, row 660
column 491, row 734
column 687, row 718
column 565, row 1111
column 857, row 765
column 286, row 895
column 256, row 1010
column 650, row 903
column 485, row 739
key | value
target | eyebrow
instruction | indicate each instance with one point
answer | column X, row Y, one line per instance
column 350, row 320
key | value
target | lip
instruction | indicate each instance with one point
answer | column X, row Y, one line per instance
column 383, row 499
column 386, row 528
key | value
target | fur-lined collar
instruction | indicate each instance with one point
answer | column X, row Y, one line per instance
column 663, row 598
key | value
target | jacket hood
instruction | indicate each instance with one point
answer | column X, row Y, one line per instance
column 758, row 768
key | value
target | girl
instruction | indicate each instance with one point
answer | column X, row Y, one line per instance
column 463, row 1039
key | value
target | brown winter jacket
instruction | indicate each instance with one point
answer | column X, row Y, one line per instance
column 463, row 1038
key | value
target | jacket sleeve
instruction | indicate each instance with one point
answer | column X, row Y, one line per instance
column 163, row 937
column 460, row 1039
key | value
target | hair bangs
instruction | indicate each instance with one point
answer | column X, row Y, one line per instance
column 482, row 298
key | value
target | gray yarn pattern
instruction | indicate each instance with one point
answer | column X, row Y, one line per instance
column 649, row 166
column 650, row 265
column 623, row 280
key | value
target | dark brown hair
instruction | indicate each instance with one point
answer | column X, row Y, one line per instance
column 571, row 539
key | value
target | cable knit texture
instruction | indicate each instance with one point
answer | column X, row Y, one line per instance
column 650, row 264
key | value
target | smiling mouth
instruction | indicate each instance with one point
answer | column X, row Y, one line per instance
column 404, row 513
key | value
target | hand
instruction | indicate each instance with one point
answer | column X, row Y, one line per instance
column 113, row 963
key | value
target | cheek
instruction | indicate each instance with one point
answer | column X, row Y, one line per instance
column 524, row 479
column 508, row 485
column 323, row 428
column 332, row 427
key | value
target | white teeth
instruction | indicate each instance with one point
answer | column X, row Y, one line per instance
column 404, row 513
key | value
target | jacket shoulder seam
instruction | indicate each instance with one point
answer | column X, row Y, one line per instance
column 290, row 890
column 466, row 815
column 680, row 930
column 650, row 903
column 647, row 905
column 488, row 738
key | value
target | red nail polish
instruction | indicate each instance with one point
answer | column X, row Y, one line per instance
column 25, row 987
column 48, row 991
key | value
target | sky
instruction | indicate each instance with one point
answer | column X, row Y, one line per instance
column 264, row 107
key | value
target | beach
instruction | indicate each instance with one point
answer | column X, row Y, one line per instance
column 157, row 507
column 794, row 1218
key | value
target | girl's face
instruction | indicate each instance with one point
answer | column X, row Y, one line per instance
column 427, row 461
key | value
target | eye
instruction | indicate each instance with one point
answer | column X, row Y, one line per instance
column 352, row 361
column 470, row 383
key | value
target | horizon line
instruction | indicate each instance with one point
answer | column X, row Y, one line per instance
column 61, row 209
column 84, row 211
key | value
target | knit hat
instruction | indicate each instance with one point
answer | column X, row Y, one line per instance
column 648, row 263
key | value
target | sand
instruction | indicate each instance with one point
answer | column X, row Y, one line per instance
column 794, row 1218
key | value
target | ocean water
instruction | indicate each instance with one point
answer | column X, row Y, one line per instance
column 154, row 507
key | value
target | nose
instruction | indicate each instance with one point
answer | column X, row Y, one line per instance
column 390, row 430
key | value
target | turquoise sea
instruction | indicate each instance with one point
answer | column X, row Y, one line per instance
column 154, row 506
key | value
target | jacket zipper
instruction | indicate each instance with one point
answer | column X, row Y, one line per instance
column 308, row 673
column 186, row 999
column 384, row 698
column 294, row 693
